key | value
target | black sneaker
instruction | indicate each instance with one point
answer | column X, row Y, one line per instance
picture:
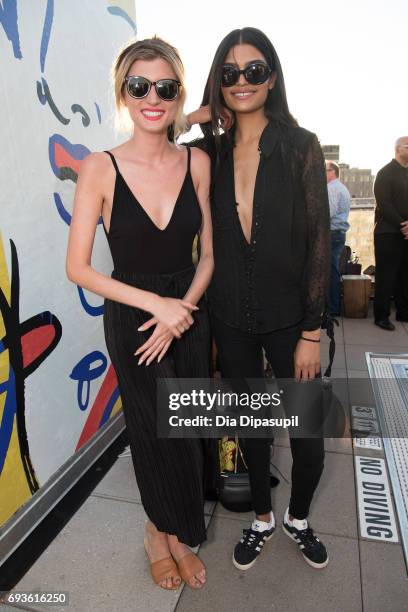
column 250, row 546
column 310, row 546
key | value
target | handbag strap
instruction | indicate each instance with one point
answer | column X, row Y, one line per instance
column 327, row 324
column 240, row 452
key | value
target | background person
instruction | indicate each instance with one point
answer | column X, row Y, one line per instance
column 391, row 238
column 339, row 202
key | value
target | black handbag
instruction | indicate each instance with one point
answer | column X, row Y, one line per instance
column 234, row 491
column 233, row 488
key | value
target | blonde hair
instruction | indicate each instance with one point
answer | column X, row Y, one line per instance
column 149, row 49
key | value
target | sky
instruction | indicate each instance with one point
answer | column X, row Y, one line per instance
column 345, row 64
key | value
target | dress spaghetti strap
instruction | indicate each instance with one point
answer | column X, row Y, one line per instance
column 113, row 161
column 188, row 158
column 117, row 169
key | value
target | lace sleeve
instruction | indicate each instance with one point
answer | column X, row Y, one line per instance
column 318, row 227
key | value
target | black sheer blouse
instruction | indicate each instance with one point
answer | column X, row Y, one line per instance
column 281, row 277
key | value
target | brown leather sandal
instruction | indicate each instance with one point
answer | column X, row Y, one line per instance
column 163, row 569
column 189, row 566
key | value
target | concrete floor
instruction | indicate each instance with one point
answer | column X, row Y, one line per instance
column 98, row 557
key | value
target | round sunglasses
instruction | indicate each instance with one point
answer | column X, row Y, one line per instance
column 255, row 73
column 138, row 87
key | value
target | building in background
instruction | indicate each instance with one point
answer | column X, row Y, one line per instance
column 331, row 152
column 358, row 181
column 360, row 235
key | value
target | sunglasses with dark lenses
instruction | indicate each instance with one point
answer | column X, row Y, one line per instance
column 139, row 87
column 255, row 73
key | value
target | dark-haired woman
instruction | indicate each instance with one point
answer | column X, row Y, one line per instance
column 271, row 252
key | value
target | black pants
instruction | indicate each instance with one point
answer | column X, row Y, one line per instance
column 240, row 355
column 391, row 275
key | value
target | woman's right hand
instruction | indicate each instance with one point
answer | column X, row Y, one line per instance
column 175, row 314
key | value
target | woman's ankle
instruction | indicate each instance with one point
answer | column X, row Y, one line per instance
column 173, row 539
column 152, row 531
column 175, row 544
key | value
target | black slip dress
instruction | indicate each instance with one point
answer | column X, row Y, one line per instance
column 169, row 472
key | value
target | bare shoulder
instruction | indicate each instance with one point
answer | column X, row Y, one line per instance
column 96, row 172
column 95, row 164
column 199, row 157
column 200, row 164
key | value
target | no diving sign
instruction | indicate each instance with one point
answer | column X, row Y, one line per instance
column 376, row 512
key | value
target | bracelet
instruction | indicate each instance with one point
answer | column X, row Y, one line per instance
column 309, row 339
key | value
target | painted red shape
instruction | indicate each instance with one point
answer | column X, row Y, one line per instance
column 95, row 415
column 35, row 342
column 64, row 160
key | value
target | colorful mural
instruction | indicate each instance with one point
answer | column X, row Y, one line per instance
column 23, row 347
column 57, row 386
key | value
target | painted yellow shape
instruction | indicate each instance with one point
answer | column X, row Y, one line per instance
column 14, row 490
column 116, row 407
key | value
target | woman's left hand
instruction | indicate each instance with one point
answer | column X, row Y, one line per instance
column 158, row 343
column 203, row 115
column 307, row 359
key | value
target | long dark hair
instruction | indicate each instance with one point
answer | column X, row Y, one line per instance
column 276, row 105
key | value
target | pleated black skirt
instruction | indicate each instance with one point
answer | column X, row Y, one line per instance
column 169, row 472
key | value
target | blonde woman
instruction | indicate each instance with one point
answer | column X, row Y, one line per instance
column 153, row 196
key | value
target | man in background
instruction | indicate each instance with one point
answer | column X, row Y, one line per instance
column 391, row 238
column 339, row 201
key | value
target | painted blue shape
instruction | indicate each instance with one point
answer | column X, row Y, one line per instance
column 9, row 21
column 46, row 33
column 98, row 112
column 116, row 10
column 62, row 211
column 109, row 407
column 9, row 412
column 87, row 370
column 93, row 311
